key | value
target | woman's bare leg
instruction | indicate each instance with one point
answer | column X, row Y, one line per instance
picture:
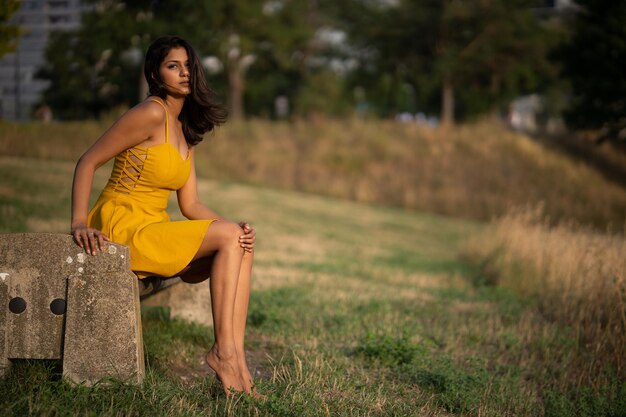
column 241, row 313
column 198, row 271
column 222, row 238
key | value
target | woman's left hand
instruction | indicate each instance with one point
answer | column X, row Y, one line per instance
column 247, row 239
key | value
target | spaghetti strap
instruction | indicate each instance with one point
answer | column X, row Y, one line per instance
column 166, row 118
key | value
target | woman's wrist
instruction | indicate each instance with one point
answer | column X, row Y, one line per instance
column 78, row 225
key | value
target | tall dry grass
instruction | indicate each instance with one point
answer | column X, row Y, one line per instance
column 578, row 277
column 473, row 171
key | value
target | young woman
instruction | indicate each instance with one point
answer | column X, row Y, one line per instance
column 153, row 145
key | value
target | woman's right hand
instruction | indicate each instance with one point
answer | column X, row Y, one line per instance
column 89, row 238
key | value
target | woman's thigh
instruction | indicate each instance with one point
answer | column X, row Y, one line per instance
column 197, row 271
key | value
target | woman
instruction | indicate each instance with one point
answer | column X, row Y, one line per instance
column 154, row 149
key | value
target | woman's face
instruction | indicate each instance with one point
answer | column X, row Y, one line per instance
column 174, row 72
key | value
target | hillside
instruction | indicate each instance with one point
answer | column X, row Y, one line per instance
column 355, row 310
column 473, row 171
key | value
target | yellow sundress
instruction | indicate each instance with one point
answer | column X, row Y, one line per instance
column 131, row 209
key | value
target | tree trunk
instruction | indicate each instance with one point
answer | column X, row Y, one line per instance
column 143, row 86
column 447, row 102
column 236, row 84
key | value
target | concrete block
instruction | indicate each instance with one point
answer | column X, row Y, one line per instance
column 103, row 329
column 58, row 302
column 33, row 330
column 4, row 312
column 33, row 269
column 191, row 302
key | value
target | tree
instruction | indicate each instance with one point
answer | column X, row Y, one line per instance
column 594, row 61
column 271, row 36
column 100, row 70
column 98, row 66
column 8, row 32
column 491, row 49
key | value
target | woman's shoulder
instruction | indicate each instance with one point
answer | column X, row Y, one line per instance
column 148, row 111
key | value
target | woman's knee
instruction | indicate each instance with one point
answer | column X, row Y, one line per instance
column 229, row 234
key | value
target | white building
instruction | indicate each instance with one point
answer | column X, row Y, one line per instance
column 19, row 90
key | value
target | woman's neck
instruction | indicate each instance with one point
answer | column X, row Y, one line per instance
column 174, row 104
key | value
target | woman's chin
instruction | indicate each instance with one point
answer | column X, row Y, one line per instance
column 179, row 92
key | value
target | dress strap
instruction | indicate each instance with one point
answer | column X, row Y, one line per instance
column 166, row 118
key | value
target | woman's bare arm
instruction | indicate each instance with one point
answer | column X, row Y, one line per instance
column 193, row 209
column 188, row 200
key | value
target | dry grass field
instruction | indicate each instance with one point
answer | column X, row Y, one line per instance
column 577, row 275
column 369, row 310
column 474, row 171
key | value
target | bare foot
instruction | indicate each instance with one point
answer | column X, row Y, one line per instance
column 248, row 382
column 227, row 371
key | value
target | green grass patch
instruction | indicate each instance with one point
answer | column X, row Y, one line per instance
column 356, row 310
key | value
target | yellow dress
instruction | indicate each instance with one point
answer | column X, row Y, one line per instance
column 132, row 209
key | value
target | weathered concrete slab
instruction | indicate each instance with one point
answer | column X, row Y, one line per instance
column 4, row 311
column 58, row 302
column 36, row 332
column 103, row 335
column 58, row 252
column 191, row 302
column 35, row 271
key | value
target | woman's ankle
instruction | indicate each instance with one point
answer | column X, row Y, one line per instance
column 223, row 353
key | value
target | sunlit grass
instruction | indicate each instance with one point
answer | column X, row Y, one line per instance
column 356, row 310
column 475, row 171
column 578, row 277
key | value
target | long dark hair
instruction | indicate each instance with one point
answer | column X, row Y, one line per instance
column 201, row 111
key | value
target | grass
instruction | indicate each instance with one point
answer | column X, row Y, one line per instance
column 578, row 275
column 474, row 171
column 356, row 310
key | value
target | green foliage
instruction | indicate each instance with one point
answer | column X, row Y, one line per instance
column 8, row 32
column 457, row 389
column 321, row 93
column 593, row 61
column 267, row 308
column 98, row 66
column 488, row 51
column 397, row 57
column 388, row 350
column 584, row 402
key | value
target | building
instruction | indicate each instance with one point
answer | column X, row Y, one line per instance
column 20, row 91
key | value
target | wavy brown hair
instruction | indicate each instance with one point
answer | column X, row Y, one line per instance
column 201, row 111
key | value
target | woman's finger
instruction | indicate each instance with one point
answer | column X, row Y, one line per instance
column 92, row 242
column 78, row 239
column 101, row 241
column 249, row 234
column 246, row 242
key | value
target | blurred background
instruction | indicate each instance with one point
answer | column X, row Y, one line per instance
column 422, row 60
column 439, row 188
column 410, row 103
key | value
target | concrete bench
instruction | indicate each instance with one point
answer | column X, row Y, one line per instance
column 60, row 303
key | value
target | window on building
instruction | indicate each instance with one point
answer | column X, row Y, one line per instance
column 60, row 18
column 30, row 5
column 54, row 4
